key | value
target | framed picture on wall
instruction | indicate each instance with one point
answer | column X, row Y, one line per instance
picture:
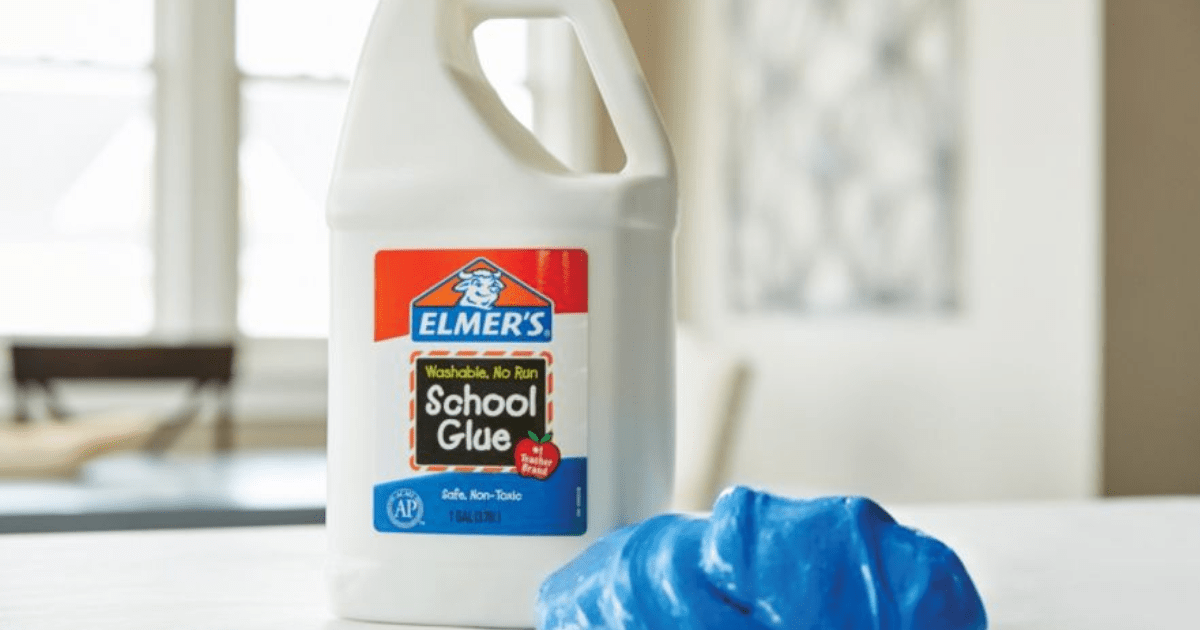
column 833, row 159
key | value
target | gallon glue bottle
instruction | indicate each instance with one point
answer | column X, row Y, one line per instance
column 501, row 349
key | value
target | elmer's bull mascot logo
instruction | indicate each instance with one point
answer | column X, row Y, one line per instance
column 480, row 288
column 482, row 303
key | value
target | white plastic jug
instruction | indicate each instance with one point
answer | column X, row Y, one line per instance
column 501, row 360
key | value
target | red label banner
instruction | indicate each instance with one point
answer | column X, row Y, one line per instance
column 403, row 275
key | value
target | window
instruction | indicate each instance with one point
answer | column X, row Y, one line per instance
column 85, row 250
column 76, row 160
column 77, row 167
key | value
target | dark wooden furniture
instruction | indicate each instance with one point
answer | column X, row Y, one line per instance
column 207, row 367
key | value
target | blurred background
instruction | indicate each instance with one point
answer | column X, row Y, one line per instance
column 930, row 250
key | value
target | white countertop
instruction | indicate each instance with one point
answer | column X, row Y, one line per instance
column 1087, row 566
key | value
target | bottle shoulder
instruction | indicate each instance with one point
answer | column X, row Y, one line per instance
column 407, row 199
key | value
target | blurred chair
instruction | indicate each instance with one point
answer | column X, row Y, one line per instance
column 711, row 384
column 208, row 368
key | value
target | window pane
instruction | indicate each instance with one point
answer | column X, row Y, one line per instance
column 289, row 137
column 103, row 32
column 76, row 168
column 75, row 199
column 313, row 38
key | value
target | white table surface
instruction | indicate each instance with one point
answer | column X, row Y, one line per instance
column 1088, row 566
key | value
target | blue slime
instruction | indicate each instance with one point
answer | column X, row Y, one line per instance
column 765, row 562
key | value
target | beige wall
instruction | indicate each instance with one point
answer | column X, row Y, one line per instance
column 996, row 401
column 654, row 26
column 668, row 36
column 1150, row 388
column 1152, row 189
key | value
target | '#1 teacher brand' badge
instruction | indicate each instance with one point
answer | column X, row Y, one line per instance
column 482, row 303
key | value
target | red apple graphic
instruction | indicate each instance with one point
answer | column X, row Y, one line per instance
column 536, row 457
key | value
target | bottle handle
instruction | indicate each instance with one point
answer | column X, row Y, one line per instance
column 615, row 67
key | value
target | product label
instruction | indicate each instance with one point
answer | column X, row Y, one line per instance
column 482, row 424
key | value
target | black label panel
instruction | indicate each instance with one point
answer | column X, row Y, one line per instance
column 473, row 412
